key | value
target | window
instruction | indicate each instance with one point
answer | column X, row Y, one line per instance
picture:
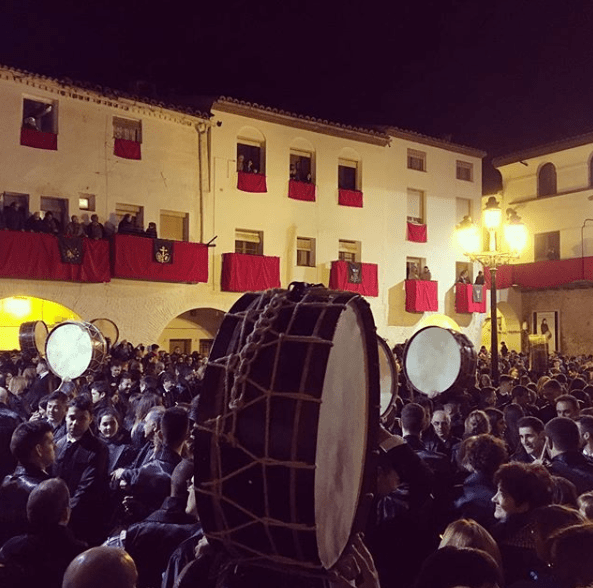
column 301, row 168
column 415, row 206
column 137, row 213
column 465, row 171
column 249, row 242
column 58, row 207
column 40, row 115
column 347, row 174
column 460, row 266
column 174, row 225
column 463, row 208
column 127, row 129
column 205, row 347
column 414, row 267
column 22, row 201
column 250, row 156
column 305, row 252
column 416, row 160
column 349, row 250
column 547, row 246
column 546, row 180
column 86, row 202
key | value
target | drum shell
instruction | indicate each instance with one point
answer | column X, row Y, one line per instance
column 30, row 340
column 466, row 376
column 284, row 494
column 388, row 373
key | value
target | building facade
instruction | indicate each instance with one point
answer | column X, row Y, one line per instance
column 278, row 197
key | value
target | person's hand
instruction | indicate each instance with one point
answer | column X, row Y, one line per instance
column 385, row 436
column 356, row 568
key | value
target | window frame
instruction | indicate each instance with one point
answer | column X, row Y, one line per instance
column 52, row 127
column 128, row 129
column 349, row 164
column 419, row 261
column 250, row 144
column 349, row 250
column 256, row 241
column 298, row 155
column 421, row 220
column 464, row 166
column 174, row 214
column 538, row 248
column 91, row 205
column 547, row 180
column 309, row 252
column 416, row 155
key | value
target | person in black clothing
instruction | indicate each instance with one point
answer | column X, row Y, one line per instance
column 151, row 231
column 532, row 439
column 117, row 439
column 9, row 421
column 126, row 225
column 13, row 217
column 41, row 557
column 51, row 224
column 32, row 445
column 34, row 224
column 95, row 229
column 480, row 279
column 55, row 413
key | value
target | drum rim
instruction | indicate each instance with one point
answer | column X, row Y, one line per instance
column 23, row 331
column 368, row 470
column 405, row 355
column 394, row 372
column 92, row 322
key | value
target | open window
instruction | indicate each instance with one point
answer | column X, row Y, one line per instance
column 301, row 166
column 414, row 267
column 137, row 213
column 40, row 115
column 305, row 252
column 250, row 156
column 348, row 175
column 58, row 207
column 546, row 180
column 349, row 251
column 547, row 246
column 249, row 242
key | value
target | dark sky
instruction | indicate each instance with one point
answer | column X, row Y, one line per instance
column 498, row 75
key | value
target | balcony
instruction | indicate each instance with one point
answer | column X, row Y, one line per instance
column 470, row 298
column 354, row 277
column 249, row 273
column 422, row 295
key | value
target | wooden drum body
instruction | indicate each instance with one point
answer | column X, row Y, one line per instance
column 32, row 337
column 287, row 424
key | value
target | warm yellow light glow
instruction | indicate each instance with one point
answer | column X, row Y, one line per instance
column 492, row 214
column 516, row 236
column 468, row 237
column 437, row 320
column 17, row 307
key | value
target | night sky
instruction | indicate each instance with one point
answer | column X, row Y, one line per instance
column 499, row 76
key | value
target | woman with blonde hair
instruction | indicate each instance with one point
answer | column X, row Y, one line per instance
column 468, row 533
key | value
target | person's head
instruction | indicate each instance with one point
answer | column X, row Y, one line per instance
column 152, row 421
column 520, row 395
column 175, row 427
column 551, row 389
column 99, row 567
column 567, row 406
column 18, row 385
column 483, row 453
column 468, row 533
column 497, row 421
column 48, row 504
column 562, row 435
column 79, row 416
column 32, row 443
column 585, row 502
column 99, row 390
column 413, row 419
column 125, row 383
column 476, row 423
column 532, row 436
column 74, row 219
column 548, row 520
column 57, row 406
column 521, row 488
column 169, row 381
column 441, row 423
column 453, row 567
column 94, row 218
column 115, row 368
column 565, row 492
column 108, row 423
column 487, row 395
column 505, row 384
column 148, row 383
column 570, row 555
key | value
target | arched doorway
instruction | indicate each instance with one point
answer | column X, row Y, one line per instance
column 193, row 330
column 16, row 310
column 509, row 328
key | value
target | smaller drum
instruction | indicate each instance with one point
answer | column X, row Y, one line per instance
column 109, row 330
column 437, row 360
column 74, row 349
column 32, row 337
column 387, row 377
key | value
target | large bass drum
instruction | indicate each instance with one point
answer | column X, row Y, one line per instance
column 32, row 337
column 287, row 426
column 388, row 375
column 438, row 360
column 74, row 349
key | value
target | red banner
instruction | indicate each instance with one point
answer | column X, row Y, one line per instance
column 247, row 182
column 133, row 258
column 301, row 191
column 249, row 273
column 422, row 296
column 464, row 299
column 127, row 149
column 548, row 274
column 36, row 256
column 417, row 233
column 350, row 198
column 39, row 139
column 504, row 276
column 369, row 285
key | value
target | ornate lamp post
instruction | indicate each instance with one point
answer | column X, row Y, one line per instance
column 515, row 237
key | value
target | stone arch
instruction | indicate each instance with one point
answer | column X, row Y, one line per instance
column 509, row 327
column 192, row 330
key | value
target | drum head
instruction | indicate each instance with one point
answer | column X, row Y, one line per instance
column 108, row 329
column 32, row 337
column 432, row 360
column 71, row 347
column 388, row 376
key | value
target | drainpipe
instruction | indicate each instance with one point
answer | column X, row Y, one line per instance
column 583, row 245
column 201, row 128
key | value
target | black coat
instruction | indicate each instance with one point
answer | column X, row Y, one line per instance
column 9, row 421
column 574, row 466
column 476, row 501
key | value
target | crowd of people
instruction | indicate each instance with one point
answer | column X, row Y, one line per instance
column 15, row 218
column 487, row 486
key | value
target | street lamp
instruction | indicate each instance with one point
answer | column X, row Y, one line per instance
column 515, row 238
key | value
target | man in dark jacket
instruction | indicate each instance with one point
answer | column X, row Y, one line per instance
column 9, row 420
column 82, row 462
column 32, row 445
column 563, row 440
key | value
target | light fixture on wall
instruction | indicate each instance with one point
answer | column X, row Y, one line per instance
column 18, row 306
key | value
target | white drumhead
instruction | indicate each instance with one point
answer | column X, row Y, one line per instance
column 40, row 336
column 433, row 360
column 69, row 350
column 341, row 438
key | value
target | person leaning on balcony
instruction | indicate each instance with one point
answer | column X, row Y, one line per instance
column 74, row 228
column 480, row 279
column 94, row 229
column 34, row 224
column 126, row 225
column 151, row 231
column 426, row 275
column 463, row 277
column 413, row 272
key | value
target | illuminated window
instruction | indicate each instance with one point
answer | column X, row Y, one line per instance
column 127, row 128
column 415, row 206
column 86, row 202
column 416, row 160
column 305, row 251
column 249, row 242
column 465, row 171
column 349, row 250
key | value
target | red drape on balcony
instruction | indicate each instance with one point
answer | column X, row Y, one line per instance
column 350, row 198
column 36, row 256
column 369, row 285
column 422, row 295
column 247, row 182
column 127, row 149
column 39, row 139
column 504, row 276
column 417, row 233
column 464, row 299
column 249, row 273
column 301, row 190
column 133, row 259
column 548, row 274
